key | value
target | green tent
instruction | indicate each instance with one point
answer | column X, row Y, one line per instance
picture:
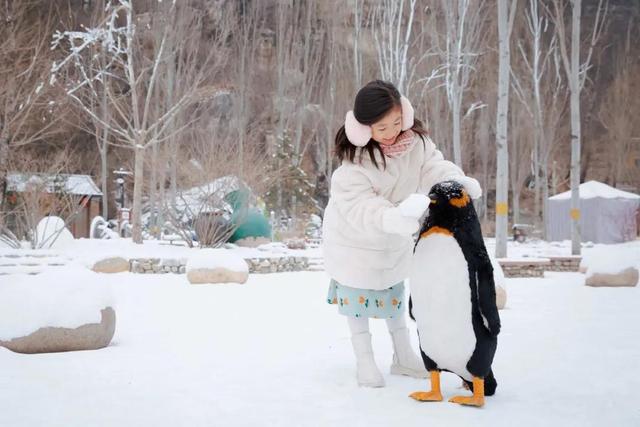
column 249, row 221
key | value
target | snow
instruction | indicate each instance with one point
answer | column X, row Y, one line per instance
column 603, row 260
column 592, row 189
column 82, row 185
column 51, row 232
column 207, row 197
column 216, row 258
column 273, row 247
column 65, row 298
column 272, row 352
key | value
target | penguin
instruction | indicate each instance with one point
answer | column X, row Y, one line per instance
column 453, row 297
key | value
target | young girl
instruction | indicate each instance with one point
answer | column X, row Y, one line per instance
column 377, row 198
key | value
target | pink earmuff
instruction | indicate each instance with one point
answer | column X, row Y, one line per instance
column 359, row 134
column 407, row 113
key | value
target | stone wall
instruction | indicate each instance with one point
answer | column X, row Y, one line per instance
column 157, row 265
column 524, row 268
column 564, row 263
column 256, row 265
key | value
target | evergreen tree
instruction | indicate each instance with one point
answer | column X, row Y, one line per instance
column 292, row 194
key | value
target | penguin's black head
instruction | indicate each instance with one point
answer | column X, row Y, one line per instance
column 448, row 195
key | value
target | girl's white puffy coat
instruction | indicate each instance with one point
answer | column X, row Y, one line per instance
column 357, row 252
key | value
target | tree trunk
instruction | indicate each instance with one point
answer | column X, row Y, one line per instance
column 455, row 111
column 575, row 128
column 515, row 201
column 104, row 149
column 173, row 193
column 138, row 182
column 545, row 196
column 502, row 152
column 4, row 170
column 536, row 177
column 153, row 191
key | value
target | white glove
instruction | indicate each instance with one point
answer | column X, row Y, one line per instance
column 470, row 184
column 393, row 222
column 414, row 206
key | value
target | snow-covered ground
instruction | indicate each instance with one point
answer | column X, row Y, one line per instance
column 272, row 352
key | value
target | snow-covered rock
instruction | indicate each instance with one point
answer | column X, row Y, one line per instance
column 216, row 266
column 91, row 336
column 606, row 266
column 49, row 311
column 626, row 277
column 252, row 242
column 52, row 233
column 111, row 265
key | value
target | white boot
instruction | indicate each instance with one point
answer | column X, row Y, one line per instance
column 368, row 373
column 405, row 360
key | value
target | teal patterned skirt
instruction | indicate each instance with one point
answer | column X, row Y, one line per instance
column 384, row 304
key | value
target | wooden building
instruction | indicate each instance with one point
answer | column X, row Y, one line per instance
column 76, row 198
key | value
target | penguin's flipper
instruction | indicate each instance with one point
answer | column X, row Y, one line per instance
column 411, row 309
column 478, row 395
column 435, row 395
column 487, row 299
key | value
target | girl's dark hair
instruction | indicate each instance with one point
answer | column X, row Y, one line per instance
column 372, row 102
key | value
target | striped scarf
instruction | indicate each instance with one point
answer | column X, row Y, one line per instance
column 404, row 143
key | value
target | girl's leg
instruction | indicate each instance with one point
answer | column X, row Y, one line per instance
column 368, row 373
column 405, row 360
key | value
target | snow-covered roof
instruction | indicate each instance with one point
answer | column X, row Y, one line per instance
column 208, row 197
column 593, row 189
column 81, row 185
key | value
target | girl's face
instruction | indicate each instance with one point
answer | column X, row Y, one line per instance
column 386, row 130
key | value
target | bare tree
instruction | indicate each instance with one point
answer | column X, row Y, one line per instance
column 521, row 141
column 465, row 34
column 619, row 109
column 539, row 85
column 135, row 122
column 393, row 37
column 30, row 111
column 506, row 16
column 576, row 75
column 209, row 171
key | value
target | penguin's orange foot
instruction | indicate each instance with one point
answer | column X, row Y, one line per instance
column 468, row 400
column 426, row 396
column 478, row 395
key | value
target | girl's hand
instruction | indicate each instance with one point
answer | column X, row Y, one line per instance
column 414, row 206
column 393, row 222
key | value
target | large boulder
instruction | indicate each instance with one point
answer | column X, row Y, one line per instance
column 58, row 310
column 625, row 277
column 91, row 336
column 111, row 265
column 216, row 266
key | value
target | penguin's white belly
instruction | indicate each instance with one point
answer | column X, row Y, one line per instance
column 441, row 298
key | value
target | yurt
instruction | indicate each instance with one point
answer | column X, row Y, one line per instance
column 607, row 215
